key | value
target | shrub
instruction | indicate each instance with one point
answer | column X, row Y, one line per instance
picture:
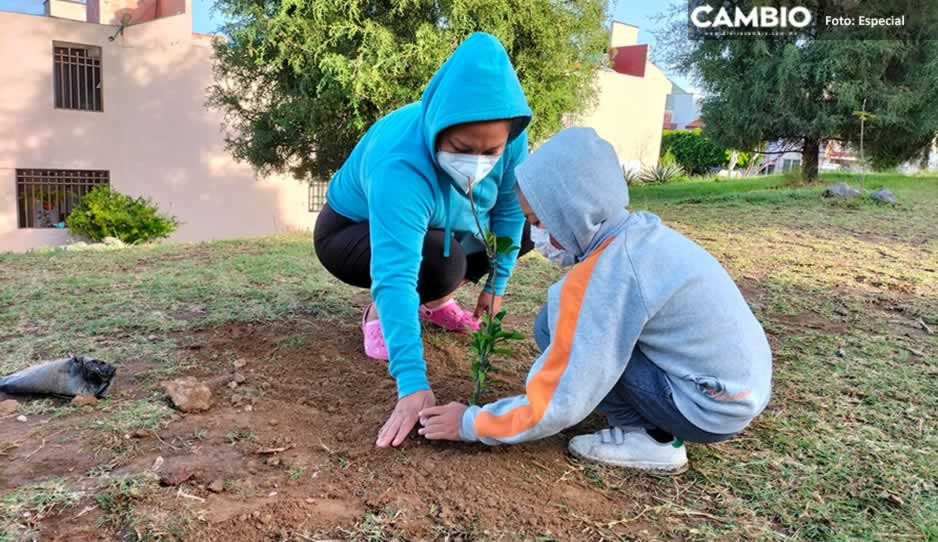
column 693, row 151
column 662, row 173
column 106, row 213
column 632, row 176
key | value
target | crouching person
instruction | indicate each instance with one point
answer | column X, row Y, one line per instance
column 647, row 327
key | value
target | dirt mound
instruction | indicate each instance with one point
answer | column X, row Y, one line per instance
column 292, row 441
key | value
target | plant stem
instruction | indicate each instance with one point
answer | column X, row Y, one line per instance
column 492, row 252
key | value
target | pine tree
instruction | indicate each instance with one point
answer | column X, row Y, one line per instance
column 804, row 89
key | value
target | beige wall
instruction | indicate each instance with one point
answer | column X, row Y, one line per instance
column 628, row 110
column 621, row 34
column 135, row 11
column 66, row 9
column 154, row 136
column 628, row 113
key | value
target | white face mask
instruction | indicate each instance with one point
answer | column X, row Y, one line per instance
column 559, row 256
column 466, row 169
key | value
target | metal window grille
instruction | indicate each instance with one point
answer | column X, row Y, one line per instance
column 77, row 77
column 317, row 195
column 45, row 197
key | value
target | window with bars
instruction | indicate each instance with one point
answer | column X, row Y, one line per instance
column 317, row 195
column 45, row 197
column 77, row 77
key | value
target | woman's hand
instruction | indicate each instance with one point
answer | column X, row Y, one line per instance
column 404, row 417
column 487, row 299
column 442, row 422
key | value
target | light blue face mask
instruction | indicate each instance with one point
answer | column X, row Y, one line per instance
column 466, row 169
column 559, row 256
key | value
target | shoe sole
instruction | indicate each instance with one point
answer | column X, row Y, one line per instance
column 651, row 468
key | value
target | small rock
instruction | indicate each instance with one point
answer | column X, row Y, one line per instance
column 188, row 394
column 273, row 461
column 112, row 242
column 249, row 408
column 252, row 469
column 841, row 190
column 84, row 400
column 239, row 363
column 883, row 195
column 235, row 398
column 8, row 407
column 232, row 384
column 310, row 500
column 272, row 494
column 21, row 418
column 239, row 378
column 217, row 486
column 173, row 476
column 273, row 422
column 841, row 352
column 139, row 433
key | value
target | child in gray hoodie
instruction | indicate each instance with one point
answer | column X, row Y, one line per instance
column 647, row 327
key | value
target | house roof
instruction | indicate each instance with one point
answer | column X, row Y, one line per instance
column 699, row 123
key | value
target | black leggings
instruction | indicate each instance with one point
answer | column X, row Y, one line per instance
column 344, row 249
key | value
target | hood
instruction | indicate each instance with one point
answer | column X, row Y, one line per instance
column 575, row 186
column 477, row 82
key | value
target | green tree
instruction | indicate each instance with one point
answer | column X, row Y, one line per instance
column 299, row 81
column 692, row 150
column 804, row 89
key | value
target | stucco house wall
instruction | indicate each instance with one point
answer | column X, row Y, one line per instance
column 155, row 136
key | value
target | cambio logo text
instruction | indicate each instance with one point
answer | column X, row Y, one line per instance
column 757, row 17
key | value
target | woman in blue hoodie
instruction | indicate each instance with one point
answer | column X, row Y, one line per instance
column 398, row 218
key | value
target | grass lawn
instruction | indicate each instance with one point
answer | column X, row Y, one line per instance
column 847, row 448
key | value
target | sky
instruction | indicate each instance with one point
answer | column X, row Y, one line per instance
column 635, row 12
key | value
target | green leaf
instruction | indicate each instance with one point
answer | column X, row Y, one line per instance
column 300, row 82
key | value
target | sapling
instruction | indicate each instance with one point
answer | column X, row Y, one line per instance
column 489, row 339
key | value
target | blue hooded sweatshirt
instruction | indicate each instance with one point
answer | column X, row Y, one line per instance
column 393, row 181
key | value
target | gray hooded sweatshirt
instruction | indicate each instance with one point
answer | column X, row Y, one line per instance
column 637, row 283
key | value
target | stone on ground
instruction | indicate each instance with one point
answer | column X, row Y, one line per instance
column 884, row 195
column 112, row 242
column 84, row 400
column 8, row 407
column 841, row 190
column 188, row 394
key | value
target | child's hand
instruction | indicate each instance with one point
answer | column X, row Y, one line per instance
column 442, row 422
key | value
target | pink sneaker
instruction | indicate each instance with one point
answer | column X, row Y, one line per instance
column 374, row 339
column 451, row 316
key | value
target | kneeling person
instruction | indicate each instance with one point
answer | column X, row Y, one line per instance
column 647, row 327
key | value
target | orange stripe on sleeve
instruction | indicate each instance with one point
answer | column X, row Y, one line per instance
column 541, row 386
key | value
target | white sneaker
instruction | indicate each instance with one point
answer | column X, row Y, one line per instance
column 633, row 448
